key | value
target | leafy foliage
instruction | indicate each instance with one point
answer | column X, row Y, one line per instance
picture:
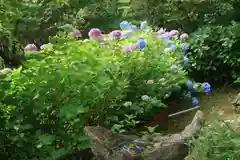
column 215, row 52
column 187, row 14
column 62, row 88
column 218, row 140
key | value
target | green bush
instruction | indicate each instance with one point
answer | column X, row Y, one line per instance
column 73, row 83
column 218, row 140
column 187, row 15
column 215, row 53
column 10, row 49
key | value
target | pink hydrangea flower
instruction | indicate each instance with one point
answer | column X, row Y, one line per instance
column 115, row 34
column 173, row 33
column 150, row 81
column 31, row 48
column 166, row 34
column 184, row 36
column 76, row 33
column 95, row 34
column 129, row 47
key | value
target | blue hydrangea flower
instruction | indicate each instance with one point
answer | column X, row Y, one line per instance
column 206, row 87
column 42, row 46
column 189, row 84
column 143, row 25
column 124, row 25
column 139, row 147
column 134, row 27
column 185, row 47
column 141, row 44
column 185, row 60
column 125, row 148
column 173, row 47
column 195, row 101
column 174, row 68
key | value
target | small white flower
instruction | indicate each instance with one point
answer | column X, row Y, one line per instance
column 145, row 97
column 5, row 70
column 127, row 104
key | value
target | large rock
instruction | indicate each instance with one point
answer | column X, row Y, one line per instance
column 107, row 145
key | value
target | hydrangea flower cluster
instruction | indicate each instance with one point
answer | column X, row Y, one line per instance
column 135, row 39
column 205, row 88
column 31, row 48
column 134, row 147
column 5, row 71
column 95, row 34
column 75, row 33
column 115, row 34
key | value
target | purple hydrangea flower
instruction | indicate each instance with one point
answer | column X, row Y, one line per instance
column 134, row 27
column 173, row 33
column 42, row 46
column 195, row 101
column 174, row 67
column 115, row 34
column 125, row 148
column 166, row 34
column 173, row 47
column 206, row 87
column 184, row 36
column 31, row 48
column 129, row 47
column 95, row 34
column 76, row 33
column 141, row 44
column 189, row 84
column 124, row 25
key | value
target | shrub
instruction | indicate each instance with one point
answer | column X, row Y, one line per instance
column 215, row 53
column 218, row 140
column 71, row 83
column 187, row 15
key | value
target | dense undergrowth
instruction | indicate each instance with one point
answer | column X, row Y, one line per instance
column 219, row 139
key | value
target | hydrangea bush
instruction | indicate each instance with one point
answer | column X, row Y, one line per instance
column 71, row 82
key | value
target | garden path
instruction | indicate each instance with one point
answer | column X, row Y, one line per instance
column 219, row 100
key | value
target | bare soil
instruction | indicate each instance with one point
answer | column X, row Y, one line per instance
column 217, row 101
